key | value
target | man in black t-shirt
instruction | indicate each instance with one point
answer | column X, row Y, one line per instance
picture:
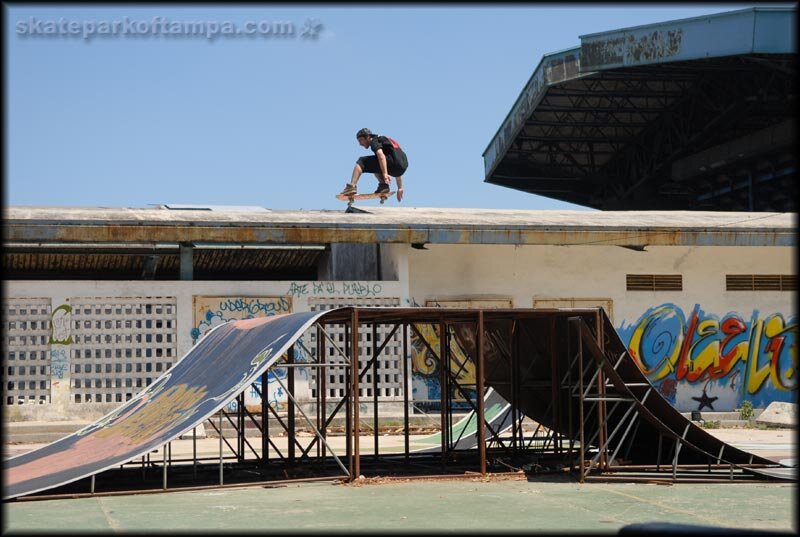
column 388, row 161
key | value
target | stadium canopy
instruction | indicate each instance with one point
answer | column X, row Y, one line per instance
column 694, row 114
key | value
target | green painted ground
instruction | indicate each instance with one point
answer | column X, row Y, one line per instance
column 447, row 506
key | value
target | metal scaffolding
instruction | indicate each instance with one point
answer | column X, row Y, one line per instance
column 580, row 408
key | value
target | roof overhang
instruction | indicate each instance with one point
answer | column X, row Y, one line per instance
column 584, row 126
column 397, row 226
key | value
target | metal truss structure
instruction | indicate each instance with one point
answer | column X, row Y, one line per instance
column 591, row 414
column 693, row 114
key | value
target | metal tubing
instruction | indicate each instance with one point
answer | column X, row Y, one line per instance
column 450, row 378
column 355, row 366
column 514, row 358
column 301, row 365
column 665, row 480
column 375, row 388
column 442, row 389
column 348, row 399
column 343, row 354
column 480, row 380
column 554, row 390
column 318, row 386
column 633, row 439
column 164, row 463
column 311, row 424
column 264, row 420
column 576, row 321
column 601, row 388
column 726, row 466
column 658, row 454
column 405, row 393
column 194, row 452
column 240, row 421
column 678, row 447
column 324, row 389
column 290, row 407
column 634, row 419
column 220, row 447
column 569, row 403
column 176, row 489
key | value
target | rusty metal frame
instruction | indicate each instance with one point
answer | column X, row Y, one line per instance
column 591, row 404
column 495, row 435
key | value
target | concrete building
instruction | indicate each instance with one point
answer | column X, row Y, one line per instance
column 99, row 302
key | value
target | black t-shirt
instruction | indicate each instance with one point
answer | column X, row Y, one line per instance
column 390, row 146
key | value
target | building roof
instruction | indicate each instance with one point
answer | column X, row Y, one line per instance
column 410, row 225
column 688, row 114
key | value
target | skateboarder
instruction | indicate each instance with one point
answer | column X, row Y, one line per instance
column 388, row 161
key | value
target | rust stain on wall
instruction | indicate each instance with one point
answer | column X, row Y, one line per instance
column 632, row 49
column 561, row 69
column 607, row 52
column 655, row 45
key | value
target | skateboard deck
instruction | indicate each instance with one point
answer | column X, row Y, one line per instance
column 351, row 198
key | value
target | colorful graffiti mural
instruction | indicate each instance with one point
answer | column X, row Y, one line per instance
column 426, row 372
column 702, row 361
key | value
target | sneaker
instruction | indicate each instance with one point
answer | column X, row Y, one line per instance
column 383, row 188
column 349, row 190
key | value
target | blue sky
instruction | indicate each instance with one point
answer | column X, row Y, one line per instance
column 128, row 121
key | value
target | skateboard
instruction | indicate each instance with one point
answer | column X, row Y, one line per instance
column 351, row 198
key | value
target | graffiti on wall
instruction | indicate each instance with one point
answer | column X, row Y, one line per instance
column 60, row 332
column 426, row 375
column 354, row 289
column 700, row 361
column 60, row 341
column 210, row 311
column 426, row 371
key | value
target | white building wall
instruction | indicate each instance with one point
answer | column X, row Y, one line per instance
column 527, row 273
column 110, row 326
column 523, row 274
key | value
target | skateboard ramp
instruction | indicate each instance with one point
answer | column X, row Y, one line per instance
column 567, row 371
column 625, row 421
column 497, row 415
column 225, row 361
column 229, row 358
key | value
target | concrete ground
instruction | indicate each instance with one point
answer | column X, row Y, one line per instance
column 446, row 506
column 466, row 505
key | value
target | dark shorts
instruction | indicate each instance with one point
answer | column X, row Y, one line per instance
column 370, row 164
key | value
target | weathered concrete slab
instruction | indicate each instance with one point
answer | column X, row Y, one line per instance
column 126, row 226
column 779, row 415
